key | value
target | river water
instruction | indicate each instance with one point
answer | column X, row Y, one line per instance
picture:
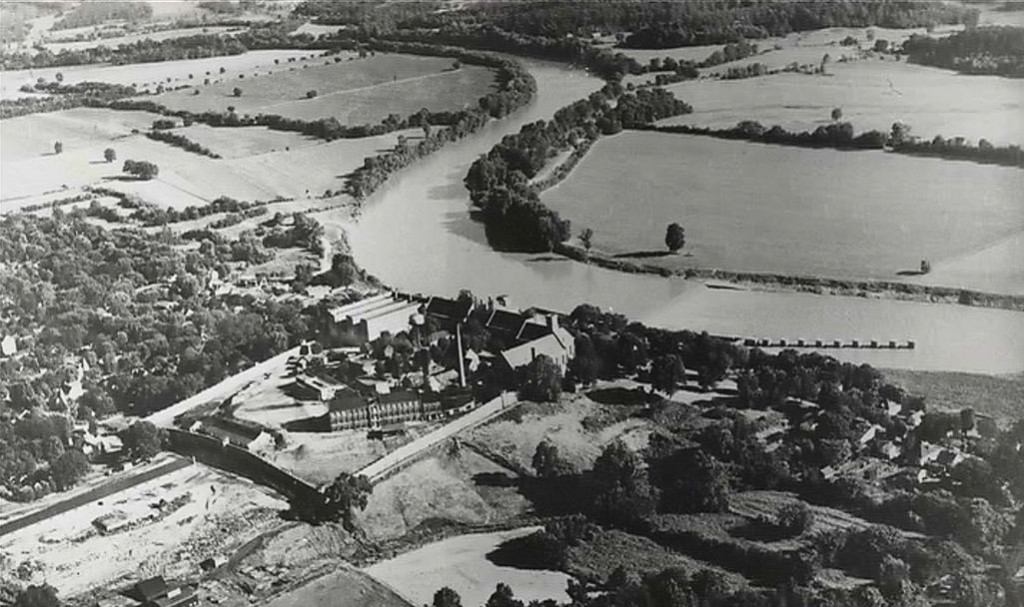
column 415, row 234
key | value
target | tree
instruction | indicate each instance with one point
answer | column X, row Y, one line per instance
column 542, row 380
column 142, row 169
column 675, row 237
column 59, row 77
column 58, row 147
column 310, row 94
column 69, row 468
column 667, row 372
column 346, row 494
column 625, row 495
column 881, row 45
column 44, row 595
column 587, row 238
column 236, row 92
column 900, row 133
column 926, row 266
column 222, row 70
column 109, row 155
column 837, row 113
column 795, row 518
column 503, row 597
column 446, row 597
column 143, row 440
column 456, row 64
column 825, row 59
column 548, row 463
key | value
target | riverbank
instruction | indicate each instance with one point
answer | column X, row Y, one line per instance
column 785, row 283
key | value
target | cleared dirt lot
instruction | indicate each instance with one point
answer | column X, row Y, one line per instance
column 460, row 563
column 220, row 512
column 757, row 207
column 355, row 91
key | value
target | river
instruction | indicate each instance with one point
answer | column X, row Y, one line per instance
column 415, row 234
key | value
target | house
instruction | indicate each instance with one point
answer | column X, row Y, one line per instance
column 556, row 343
column 317, row 388
column 8, row 346
column 149, row 589
column 180, row 596
column 233, row 432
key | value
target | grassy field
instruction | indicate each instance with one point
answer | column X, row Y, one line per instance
column 873, row 94
column 442, row 487
column 113, row 42
column 185, row 178
column 999, row 396
column 239, row 142
column 356, row 91
column 577, row 426
column 144, row 75
column 781, row 209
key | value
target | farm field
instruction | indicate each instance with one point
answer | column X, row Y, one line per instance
column 999, row 396
column 755, row 207
column 218, row 511
column 143, row 75
column 170, row 34
column 239, row 142
column 355, row 92
column 33, row 136
column 872, row 93
column 185, row 178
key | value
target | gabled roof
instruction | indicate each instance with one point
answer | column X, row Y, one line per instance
column 522, row 355
column 506, row 321
column 449, row 309
column 151, row 588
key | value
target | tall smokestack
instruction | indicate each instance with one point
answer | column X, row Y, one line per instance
column 462, row 358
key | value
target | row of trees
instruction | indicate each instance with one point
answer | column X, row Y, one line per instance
column 841, row 135
column 181, row 141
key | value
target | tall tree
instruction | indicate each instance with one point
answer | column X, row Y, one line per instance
column 675, row 237
column 667, row 372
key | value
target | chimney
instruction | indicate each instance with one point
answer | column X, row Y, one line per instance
column 552, row 322
column 533, row 353
column 462, row 357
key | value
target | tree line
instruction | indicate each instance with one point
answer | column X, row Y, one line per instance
column 993, row 50
column 841, row 135
column 498, row 183
column 181, row 141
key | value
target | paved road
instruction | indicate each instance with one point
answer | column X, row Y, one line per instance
column 221, row 391
column 378, row 469
column 97, row 493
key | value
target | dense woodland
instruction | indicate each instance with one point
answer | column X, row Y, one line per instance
column 652, row 24
column 985, row 50
column 97, row 13
column 136, row 309
column 498, row 183
column 954, row 540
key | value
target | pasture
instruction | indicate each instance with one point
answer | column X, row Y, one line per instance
column 754, row 207
column 113, row 42
column 169, row 73
column 356, row 91
column 872, row 93
column 309, row 169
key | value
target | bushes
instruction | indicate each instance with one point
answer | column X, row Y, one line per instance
column 181, row 141
column 142, row 169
